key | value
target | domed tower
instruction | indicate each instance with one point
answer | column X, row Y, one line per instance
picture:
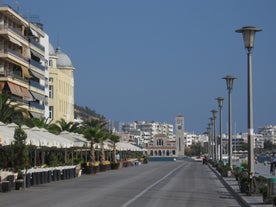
column 61, row 86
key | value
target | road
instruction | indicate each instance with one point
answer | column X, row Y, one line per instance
column 162, row 184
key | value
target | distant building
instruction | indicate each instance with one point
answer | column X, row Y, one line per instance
column 143, row 132
column 161, row 146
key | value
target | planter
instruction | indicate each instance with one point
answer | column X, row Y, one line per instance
column 103, row 168
column 115, row 166
column 91, row 169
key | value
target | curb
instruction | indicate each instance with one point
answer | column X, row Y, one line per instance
column 236, row 195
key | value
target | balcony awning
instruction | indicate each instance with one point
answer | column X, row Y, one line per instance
column 37, row 75
column 2, row 85
column 15, row 41
column 41, row 57
column 34, row 33
column 15, row 89
column 26, row 94
column 35, row 114
column 38, row 96
column 25, row 72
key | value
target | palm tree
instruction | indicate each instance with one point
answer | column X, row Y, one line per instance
column 91, row 134
column 62, row 125
column 102, row 136
column 114, row 139
column 10, row 111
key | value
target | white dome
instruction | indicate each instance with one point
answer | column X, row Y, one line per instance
column 63, row 59
column 51, row 49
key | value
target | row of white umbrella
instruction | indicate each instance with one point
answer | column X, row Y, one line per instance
column 41, row 137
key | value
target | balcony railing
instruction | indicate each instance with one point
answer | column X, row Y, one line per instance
column 36, row 105
column 35, row 43
column 17, row 54
column 37, row 65
column 36, row 85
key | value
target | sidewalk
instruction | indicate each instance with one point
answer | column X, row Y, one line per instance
column 232, row 185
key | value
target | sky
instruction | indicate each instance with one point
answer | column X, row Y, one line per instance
column 151, row 60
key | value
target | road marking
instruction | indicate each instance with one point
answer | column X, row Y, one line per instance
column 149, row 187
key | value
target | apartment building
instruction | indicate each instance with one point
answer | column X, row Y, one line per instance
column 23, row 61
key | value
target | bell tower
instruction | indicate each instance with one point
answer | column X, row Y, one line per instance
column 179, row 136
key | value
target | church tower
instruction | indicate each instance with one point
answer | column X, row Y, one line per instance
column 179, row 136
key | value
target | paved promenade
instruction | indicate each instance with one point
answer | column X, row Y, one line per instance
column 248, row 201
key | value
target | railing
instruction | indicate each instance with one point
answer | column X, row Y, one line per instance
column 17, row 54
column 36, row 105
column 35, row 43
column 37, row 65
column 36, row 85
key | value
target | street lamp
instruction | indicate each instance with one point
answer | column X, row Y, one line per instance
column 209, row 139
column 212, row 137
column 214, row 112
column 220, row 103
column 248, row 33
column 229, row 83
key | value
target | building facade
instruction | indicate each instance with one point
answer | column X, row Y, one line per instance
column 161, row 146
column 23, row 61
column 61, row 86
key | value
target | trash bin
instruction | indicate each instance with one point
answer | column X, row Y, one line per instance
column 19, row 184
column 6, row 186
column 28, row 180
column 271, row 191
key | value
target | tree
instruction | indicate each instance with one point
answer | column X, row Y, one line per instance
column 91, row 133
column 92, row 130
column 114, row 139
column 62, row 125
column 20, row 149
column 10, row 111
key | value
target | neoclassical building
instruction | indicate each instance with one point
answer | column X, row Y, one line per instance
column 61, row 86
column 161, row 146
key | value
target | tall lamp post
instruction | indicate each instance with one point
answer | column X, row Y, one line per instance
column 209, row 139
column 214, row 112
column 212, row 137
column 220, row 103
column 248, row 33
column 229, row 83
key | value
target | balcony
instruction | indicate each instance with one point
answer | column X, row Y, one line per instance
column 37, row 65
column 36, row 105
column 35, row 43
column 36, row 85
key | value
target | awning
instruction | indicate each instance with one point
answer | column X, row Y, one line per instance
column 15, row 89
column 2, row 85
column 34, row 33
column 38, row 96
column 25, row 72
column 15, row 41
column 36, row 115
column 26, row 94
column 41, row 57
column 37, row 75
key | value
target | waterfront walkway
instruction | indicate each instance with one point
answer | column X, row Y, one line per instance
column 248, row 201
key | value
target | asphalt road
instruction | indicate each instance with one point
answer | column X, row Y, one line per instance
column 162, row 184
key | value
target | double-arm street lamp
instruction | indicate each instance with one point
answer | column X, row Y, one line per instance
column 229, row 83
column 214, row 112
column 248, row 33
column 220, row 103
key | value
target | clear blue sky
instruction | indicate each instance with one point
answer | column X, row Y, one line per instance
column 153, row 59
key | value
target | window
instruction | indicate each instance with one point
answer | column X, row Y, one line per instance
column 51, row 92
column 50, row 63
column 159, row 142
column 51, row 112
